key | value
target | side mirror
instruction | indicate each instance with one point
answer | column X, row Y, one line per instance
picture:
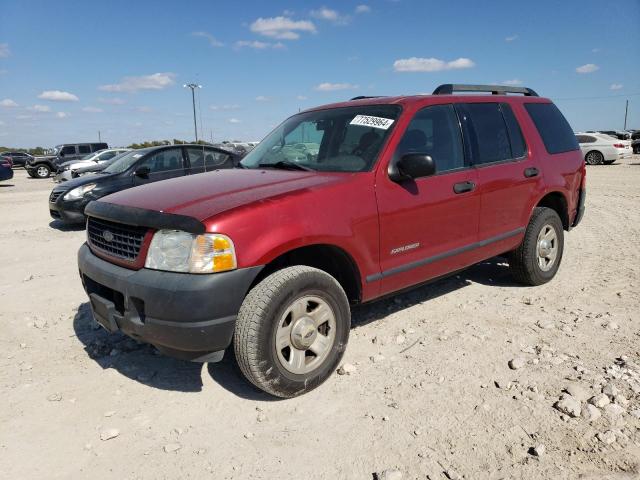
column 142, row 172
column 411, row 166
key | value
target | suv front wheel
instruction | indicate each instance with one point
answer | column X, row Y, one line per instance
column 292, row 330
column 538, row 257
column 42, row 171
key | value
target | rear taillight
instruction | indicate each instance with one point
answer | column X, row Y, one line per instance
column 618, row 145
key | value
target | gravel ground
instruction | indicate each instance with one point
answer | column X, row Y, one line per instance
column 471, row 377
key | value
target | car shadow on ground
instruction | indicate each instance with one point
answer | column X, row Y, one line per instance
column 6, row 185
column 144, row 364
column 64, row 227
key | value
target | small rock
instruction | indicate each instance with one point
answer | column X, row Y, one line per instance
column 261, row 417
column 416, row 433
column 400, row 339
column 538, row 450
column 607, row 437
column 517, row 363
column 391, row 474
column 590, row 413
column 610, row 390
column 377, row 358
column 248, row 435
column 386, row 419
column 613, row 410
column 621, row 400
column 576, row 391
column 110, row 413
column 171, row 447
column 54, row 397
column 28, row 278
column 612, row 326
column 635, row 413
column 88, row 446
column 347, row 369
column 569, row 406
column 23, row 345
column 545, row 324
column 599, row 400
column 452, row 475
column 394, row 405
column 109, row 433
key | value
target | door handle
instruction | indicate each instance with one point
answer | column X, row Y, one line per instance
column 463, row 187
column 531, row 172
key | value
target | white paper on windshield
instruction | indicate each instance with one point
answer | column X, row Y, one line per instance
column 369, row 121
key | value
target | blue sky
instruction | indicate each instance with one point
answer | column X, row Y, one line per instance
column 71, row 68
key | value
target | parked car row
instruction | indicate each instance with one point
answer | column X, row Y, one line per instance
column 66, row 171
column 132, row 168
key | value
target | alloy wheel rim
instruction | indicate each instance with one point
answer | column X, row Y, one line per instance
column 547, row 247
column 305, row 334
column 42, row 172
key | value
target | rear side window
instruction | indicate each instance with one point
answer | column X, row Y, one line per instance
column 69, row 150
column 492, row 142
column 84, row 149
column 518, row 147
column 554, row 129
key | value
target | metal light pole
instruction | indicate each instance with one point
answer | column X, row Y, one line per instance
column 193, row 87
column 626, row 109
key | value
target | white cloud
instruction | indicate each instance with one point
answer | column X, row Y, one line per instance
column 2, row 124
column 282, row 28
column 144, row 109
column 416, row 64
column 257, row 45
column 596, row 50
column 616, row 86
column 234, row 120
column 587, row 68
column 224, row 107
column 40, row 108
column 213, row 41
column 4, row 50
column 363, row 9
column 92, row 110
column 511, row 38
column 331, row 87
column 301, row 97
column 330, row 15
column 112, row 101
column 58, row 96
column 156, row 81
column 262, row 98
column 8, row 103
column 513, row 82
column 62, row 114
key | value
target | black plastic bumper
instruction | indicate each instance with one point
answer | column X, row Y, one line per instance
column 183, row 315
column 580, row 213
column 71, row 212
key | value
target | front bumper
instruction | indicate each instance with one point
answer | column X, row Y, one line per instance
column 183, row 315
column 70, row 212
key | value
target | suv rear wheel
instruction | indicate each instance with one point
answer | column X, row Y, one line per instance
column 538, row 257
column 292, row 330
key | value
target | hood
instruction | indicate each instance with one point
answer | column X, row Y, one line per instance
column 207, row 194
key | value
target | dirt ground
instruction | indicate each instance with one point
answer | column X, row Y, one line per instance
column 432, row 396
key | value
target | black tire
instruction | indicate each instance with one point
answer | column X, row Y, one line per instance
column 32, row 174
column 42, row 171
column 260, row 314
column 524, row 260
column 594, row 157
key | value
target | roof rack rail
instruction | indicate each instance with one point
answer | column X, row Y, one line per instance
column 450, row 88
column 362, row 97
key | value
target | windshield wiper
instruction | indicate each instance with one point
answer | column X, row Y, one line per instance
column 286, row 165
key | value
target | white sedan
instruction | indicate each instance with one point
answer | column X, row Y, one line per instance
column 65, row 171
column 599, row 148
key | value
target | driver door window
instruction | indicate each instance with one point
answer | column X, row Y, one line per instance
column 435, row 131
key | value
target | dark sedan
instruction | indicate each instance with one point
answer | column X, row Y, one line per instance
column 19, row 159
column 6, row 173
column 138, row 167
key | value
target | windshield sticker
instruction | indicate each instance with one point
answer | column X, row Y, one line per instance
column 137, row 155
column 375, row 122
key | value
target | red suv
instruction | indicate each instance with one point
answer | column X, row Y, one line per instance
column 388, row 193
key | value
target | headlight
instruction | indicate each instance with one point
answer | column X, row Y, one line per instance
column 176, row 251
column 79, row 192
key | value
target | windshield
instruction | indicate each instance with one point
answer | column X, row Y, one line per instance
column 345, row 139
column 125, row 161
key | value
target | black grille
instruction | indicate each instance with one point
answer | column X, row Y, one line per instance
column 54, row 195
column 125, row 240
